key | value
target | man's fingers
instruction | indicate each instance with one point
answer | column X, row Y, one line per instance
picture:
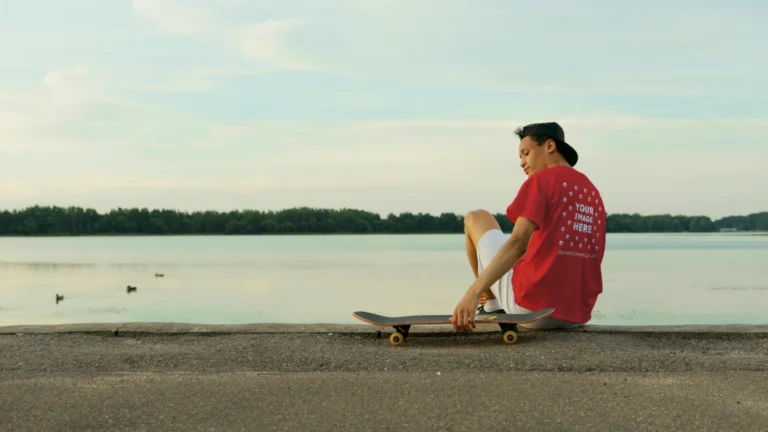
column 466, row 320
column 463, row 320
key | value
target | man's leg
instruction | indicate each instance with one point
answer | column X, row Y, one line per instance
column 480, row 251
column 471, row 251
column 476, row 224
column 472, row 255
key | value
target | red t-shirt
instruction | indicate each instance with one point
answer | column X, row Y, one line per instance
column 561, row 268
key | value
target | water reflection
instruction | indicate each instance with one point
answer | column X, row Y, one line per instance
column 75, row 312
column 755, row 288
column 652, row 279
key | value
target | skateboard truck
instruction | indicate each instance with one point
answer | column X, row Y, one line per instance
column 510, row 332
column 400, row 334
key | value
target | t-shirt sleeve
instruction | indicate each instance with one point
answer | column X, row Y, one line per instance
column 531, row 202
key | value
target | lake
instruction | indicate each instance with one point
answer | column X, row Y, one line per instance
column 649, row 279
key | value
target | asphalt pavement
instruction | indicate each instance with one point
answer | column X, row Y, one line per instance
column 162, row 377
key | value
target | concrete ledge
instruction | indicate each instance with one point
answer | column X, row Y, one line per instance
column 190, row 328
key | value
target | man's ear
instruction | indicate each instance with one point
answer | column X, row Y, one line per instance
column 551, row 146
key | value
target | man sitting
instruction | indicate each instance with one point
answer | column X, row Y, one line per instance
column 553, row 257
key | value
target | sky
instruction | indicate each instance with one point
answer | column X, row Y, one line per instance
column 387, row 106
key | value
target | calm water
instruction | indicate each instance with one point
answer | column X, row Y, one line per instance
column 649, row 279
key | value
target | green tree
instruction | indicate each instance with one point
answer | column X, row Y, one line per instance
column 40, row 220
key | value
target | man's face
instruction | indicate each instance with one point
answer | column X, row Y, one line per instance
column 534, row 157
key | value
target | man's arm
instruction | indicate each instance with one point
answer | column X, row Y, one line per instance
column 507, row 256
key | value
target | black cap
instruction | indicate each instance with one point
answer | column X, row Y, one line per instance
column 554, row 131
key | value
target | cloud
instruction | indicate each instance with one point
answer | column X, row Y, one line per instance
column 267, row 42
column 117, row 181
column 173, row 17
column 68, row 95
column 639, row 163
column 420, row 117
column 72, row 91
column 608, row 53
column 192, row 81
column 437, row 124
column 76, row 76
column 76, row 109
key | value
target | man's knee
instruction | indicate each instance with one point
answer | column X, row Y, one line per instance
column 478, row 222
column 477, row 217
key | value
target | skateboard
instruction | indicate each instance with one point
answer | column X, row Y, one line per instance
column 402, row 324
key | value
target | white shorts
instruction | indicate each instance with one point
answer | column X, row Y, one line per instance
column 487, row 247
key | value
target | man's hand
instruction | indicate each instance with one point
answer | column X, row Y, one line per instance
column 463, row 318
column 509, row 254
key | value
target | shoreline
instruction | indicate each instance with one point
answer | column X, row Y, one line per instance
column 277, row 328
column 310, row 234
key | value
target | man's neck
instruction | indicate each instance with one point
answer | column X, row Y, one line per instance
column 560, row 162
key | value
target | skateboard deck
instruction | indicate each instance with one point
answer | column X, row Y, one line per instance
column 402, row 324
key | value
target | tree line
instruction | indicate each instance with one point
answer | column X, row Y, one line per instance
column 54, row 221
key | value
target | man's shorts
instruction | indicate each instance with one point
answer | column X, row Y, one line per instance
column 487, row 247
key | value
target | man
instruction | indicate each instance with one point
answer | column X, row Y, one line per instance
column 553, row 257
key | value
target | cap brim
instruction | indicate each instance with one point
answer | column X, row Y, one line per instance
column 568, row 152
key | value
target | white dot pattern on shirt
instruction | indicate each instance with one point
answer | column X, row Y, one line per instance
column 582, row 218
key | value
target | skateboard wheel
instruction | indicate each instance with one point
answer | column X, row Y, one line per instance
column 510, row 337
column 396, row 338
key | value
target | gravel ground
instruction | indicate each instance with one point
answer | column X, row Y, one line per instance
column 651, row 380
column 361, row 352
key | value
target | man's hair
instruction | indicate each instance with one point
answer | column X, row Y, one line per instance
column 538, row 139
